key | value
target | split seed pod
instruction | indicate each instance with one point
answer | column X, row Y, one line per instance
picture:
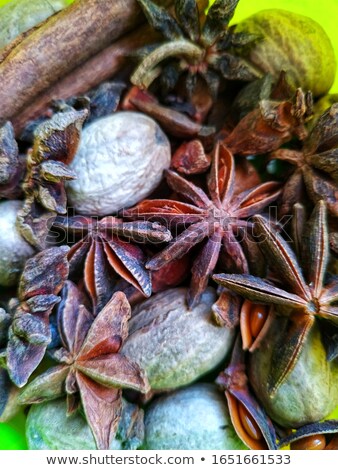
column 250, row 421
column 315, row 436
column 254, row 323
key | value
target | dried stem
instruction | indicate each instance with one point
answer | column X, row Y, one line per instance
column 143, row 75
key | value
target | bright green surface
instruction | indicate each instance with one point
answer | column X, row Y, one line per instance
column 3, row 2
column 326, row 13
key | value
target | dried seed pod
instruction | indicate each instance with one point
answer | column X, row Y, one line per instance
column 131, row 152
column 309, row 393
column 49, row 428
column 190, row 158
column 314, row 436
column 171, row 275
column 29, row 334
column 249, row 419
column 14, row 250
column 55, row 144
column 194, row 418
column 270, row 125
column 174, row 345
column 254, row 323
column 307, row 53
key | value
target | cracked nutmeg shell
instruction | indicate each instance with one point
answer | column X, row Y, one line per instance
column 309, row 393
column 14, row 250
column 119, row 162
column 49, row 428
column 194, row 418
column 294, row 43
column 172, row 344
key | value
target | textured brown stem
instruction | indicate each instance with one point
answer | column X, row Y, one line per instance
column 88, row 75
column 62, row 43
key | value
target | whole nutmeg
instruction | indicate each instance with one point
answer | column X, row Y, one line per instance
column 14, row 250
column 174, row 345
column 120, row 161
column 18, row 16
column 309, row 393
column 49, row 428
column 294, row 43
column 195, row 418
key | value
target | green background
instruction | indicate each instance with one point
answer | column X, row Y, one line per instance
column 326, row 13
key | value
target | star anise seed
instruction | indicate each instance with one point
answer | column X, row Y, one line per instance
column 109, row 246
column 305, row 300
column 215, row 218
column 209, row 50
column 91, row 365
column 29, row 334
column 316, row 165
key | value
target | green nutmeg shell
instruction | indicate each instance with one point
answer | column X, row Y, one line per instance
column 195, row 418
column 173, row 345
column 49, row 428
column 18, row 16
column 309, row 393
column 294, row 43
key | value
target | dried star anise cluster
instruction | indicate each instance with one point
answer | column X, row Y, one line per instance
column 245, row 215
column 195, row 46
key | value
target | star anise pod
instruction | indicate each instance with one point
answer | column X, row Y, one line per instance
column 270, row 125
column 316, row 165
column 249, row 419
column 208, row 49
column 55, row 145
column 314, row 436
column 216, row 218
column 29, row 334
column 306, row 298
column 90, row 364
column 190, row 158
column 8, row 390
column 108, row 247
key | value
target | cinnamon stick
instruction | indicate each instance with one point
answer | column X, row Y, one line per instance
column 62, row 43
column 94, row 71
column 90, row 73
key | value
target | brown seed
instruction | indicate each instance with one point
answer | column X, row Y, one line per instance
column 253, row 317
column 248, row 423
column 244, row 424
column 316, row 442
column 258, row 317
column 333, row 444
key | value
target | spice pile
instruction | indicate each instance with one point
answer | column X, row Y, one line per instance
column 169, row 240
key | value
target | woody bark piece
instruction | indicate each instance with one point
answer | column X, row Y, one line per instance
column 91, row 73
column 62, row 43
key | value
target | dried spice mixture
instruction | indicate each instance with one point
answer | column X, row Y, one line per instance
column 168, row 226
